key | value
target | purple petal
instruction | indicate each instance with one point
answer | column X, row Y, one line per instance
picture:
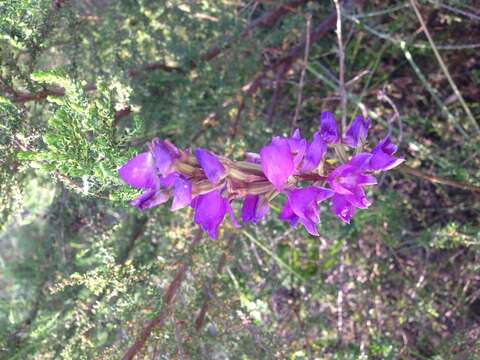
column 254, row 208
column 182, row 193
column 140, row 172
column 304, row 201
column 287, row 214
column 253, row 158
column 213, row 168
column 358, row 199
column 165, row 154
column 365, row 180
column 343, row 179
column 310, row 226
column 150, row 199
column 328, row 128
column 360, row 161
column 304, row 204
column 169, row 180
column 357, row 132
column 384, row 162
column 298, row 147
column 232, row 215
column 210, row 210
column 277, row 162
column 386, row 146
column 382, row 158
column 342, row 208
column 315, row 153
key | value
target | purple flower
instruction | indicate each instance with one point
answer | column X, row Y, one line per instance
column 328, row 128
column 253, row 158
column 149, row 199
column 254, row 208
column 210, row 210
column 287, row 214
column 298, row 147
column 140, row 172
column 182, row 193
column 165, row 155
column 346, row 178
column 213, row 168
column 277, row 162
column 315, row 153
column 357, row 132
column 382, row 158
column 302, row 205
column 342, row 208
column 347, row 181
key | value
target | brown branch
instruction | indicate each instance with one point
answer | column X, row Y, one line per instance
column 280, row 67
column 303, row 72
column 168, row 300
column 200, row 320
column 42, row 95
column 122, row 113
column 438, row 180
column 241, row 106
column 265, row 21
column 293, row 54
column 155, row 66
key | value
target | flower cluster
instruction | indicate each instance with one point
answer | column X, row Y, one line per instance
column 293, row 166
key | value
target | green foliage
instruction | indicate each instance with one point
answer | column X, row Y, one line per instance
column 82, row 144
column 82, row 273
column 10, row 140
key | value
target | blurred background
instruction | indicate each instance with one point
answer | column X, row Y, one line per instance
column 84, row 85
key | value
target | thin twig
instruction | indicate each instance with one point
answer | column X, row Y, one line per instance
column 395, row 39
column 382, row 95
column 340, row 294
column 444, row 67
column 438, row 180
column 178, row 338
column 304, row 70
column 433, row 93
column 159, row 320
column 341, row 75
column 200, row 320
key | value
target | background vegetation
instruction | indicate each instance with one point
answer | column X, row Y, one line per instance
column 85, row 84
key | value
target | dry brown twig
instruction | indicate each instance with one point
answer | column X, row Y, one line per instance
column 341, row 74
column 304, row 70
column 200, row 320
column 168, row 301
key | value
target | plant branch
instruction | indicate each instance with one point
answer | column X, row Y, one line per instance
column 168, row 300
column 341, row 75
column 200, row 320
column 304, row 70
column 444, row 67
column 438, row 180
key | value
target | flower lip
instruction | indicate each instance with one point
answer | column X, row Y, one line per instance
column 210, row 210
column 382, row 156
column 254, row 208
column 357, row 132
column 315, row 153
column 328, row 128
column 303, row 203
column 277, row 162
column 149, row 199
column 165, row 155
column 140, row 172
column 213, row 168
column 182, row 193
